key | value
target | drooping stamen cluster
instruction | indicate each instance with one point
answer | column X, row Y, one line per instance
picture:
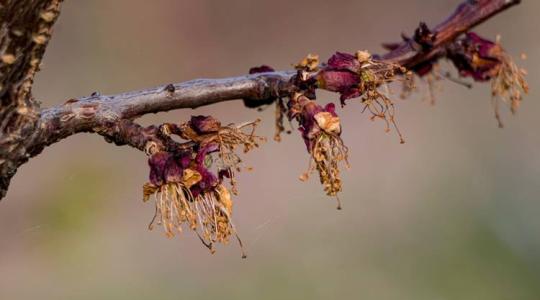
column 279, row 116
column 188, row 184
column 475, row 57
column 424, row 40
column 361, row 75
column 432, row 77
column 321, row 130
column 484, row 60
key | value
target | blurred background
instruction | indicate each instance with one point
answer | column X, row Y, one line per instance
column 451, row 214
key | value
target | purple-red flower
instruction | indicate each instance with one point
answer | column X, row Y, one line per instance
column 208, row 179
column 342, row 75
column 354, row 75
column 345, row 62
column 321, row 130
column 343, row 82
column 164, row 168
column 314, row 119
column 484, row 60
column 187, row 184
column 476, row 57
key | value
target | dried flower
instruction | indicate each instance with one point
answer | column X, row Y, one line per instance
column 340, row 81
column 328, row 121
column 484, row 60
column 188, row 186
column 508, row 85
column 309, row 63
column 476, row 57
column 341, row 74
column 321, row 129
column 361, row 75
column 351, row 75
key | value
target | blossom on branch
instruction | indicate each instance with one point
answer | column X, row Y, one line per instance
column 321, row 130
column 188, row 182
column 483, row 60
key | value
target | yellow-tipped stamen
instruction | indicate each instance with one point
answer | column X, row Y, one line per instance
column 508, row 85
column 327, row 152
column 208, row 214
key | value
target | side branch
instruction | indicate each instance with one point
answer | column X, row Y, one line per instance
column 83, row 114
column 468, row 15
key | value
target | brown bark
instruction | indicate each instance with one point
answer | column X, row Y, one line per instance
column 25, row 31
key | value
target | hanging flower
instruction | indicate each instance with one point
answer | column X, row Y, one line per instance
column 484, row 60
column 188, row 184
column 361, row 75
column 321, row 130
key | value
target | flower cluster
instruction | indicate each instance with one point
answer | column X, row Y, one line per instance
column 188, row 181
column 478, row 58
column 367, row 77
column 356, row 75
column 321, row 129
column 483, row 60
column 361, row 75
column 319, row 126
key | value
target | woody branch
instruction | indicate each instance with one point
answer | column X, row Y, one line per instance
column 26, row 129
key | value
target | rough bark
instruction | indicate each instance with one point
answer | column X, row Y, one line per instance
column 25, row 30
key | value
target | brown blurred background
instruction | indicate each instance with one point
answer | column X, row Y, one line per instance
column 452, row 214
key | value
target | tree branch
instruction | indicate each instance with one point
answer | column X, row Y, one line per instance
column 111, row 116
column 467, row 15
